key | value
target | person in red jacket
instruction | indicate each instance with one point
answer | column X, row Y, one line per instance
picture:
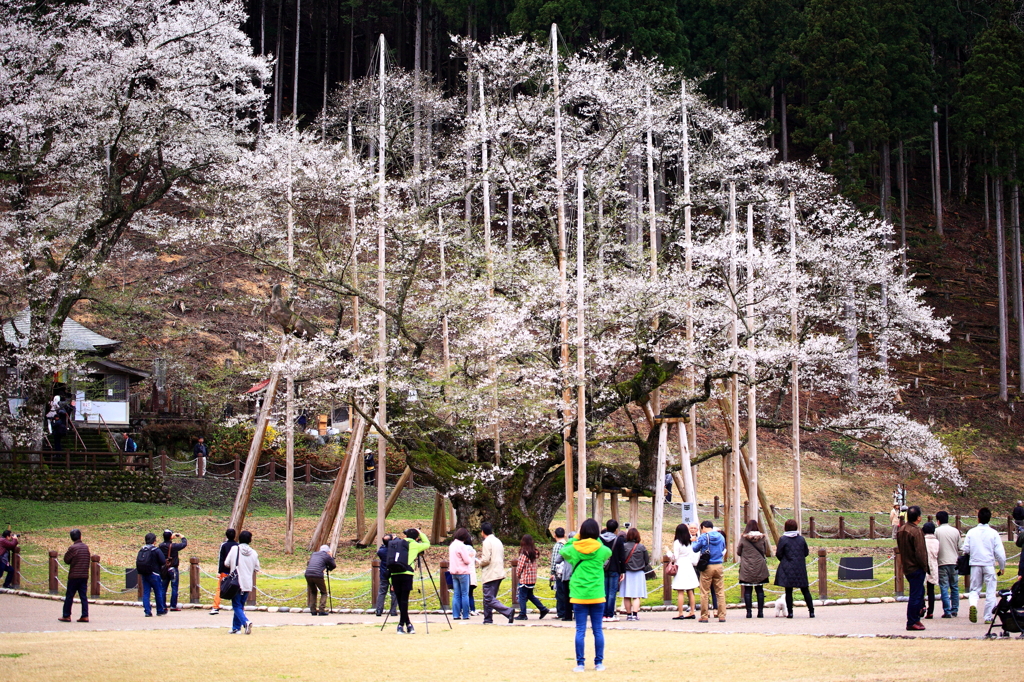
column 8, row 541
column 77, row 558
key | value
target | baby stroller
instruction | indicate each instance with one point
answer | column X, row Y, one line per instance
column 1009, row 611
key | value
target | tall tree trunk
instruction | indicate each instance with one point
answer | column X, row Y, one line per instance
column 295, row 66
column 784, row 114
column 903, row 210
column 1001, row 269
column 1018, row 284
column 937, row 166
column 416, row 105
column 886, row 187
column 279, row 63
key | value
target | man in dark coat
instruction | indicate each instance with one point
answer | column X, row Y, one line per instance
column 8, row 541
column 200, row 451
column 914, row 556
column 170, row 575
column 77, row 558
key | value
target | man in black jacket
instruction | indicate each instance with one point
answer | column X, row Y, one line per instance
column 170, row 573
column 222, row 570
column 385, row 578
column 615, row 569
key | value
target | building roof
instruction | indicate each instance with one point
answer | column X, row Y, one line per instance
column 75, row 336
column 118, row 368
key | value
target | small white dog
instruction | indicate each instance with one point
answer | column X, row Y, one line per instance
column 780, row 607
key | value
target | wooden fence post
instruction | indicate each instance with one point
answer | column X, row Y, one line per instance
column 666, row 581
column 811, row 529
column 251, row 600
column 898, row 564
column 237, row 474
column 1009, row 529
column 842, row 528
column 374, row 581
column 16, row 567
column 94, row 574
column 52, row 566
column 163, row 462
column 716, row 506
column 958, row 523
column 309, row 473
column 444, row 585
column 822, row 574
column 193, row 580
column 871, row 527
column 273, row 471
column 515, row 584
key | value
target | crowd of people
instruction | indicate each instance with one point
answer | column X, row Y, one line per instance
column 588, row 572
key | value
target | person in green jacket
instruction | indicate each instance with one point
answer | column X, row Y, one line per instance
column 401, row 581
column 587, row 554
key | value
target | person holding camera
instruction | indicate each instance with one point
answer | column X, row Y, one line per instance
column 8, row 541
column 78, row 558
column 222, row 570
column 402, row 554
column 319, row 562
column 170, row 574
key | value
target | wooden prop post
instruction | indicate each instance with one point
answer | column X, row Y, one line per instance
column 321, row 533
column 794, row 338
column 241, row 505
column 339, row 516
column 392, row 498
column 634, row 509
column 438, row 526
column 659, row 492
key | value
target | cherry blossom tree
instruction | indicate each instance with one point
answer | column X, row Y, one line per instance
column 108, row 110
column 500, row 304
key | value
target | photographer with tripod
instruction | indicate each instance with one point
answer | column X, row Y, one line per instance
column 319, row 562
column 402, row 554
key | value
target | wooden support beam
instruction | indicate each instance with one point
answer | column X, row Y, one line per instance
column 615, row 506
column 241, row 505
column 353, row 468
column 634, row 510
column 322, row 531
column 439, row 523
column 659, row 494
column 392, row 498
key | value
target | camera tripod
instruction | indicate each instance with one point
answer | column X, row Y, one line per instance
column 421, row 563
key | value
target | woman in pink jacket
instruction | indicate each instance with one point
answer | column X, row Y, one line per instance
column 460, row 565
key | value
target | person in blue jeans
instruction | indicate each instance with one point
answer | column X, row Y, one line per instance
column 615, row 569
column 245, row 560
column 171, row 575
column 587, row 554
column 149, row 574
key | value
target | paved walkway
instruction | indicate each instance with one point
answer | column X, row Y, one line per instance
column 26, row 614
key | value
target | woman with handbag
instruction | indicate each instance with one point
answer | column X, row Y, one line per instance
column 792, row 571
column 684, row 577
column 634, row 580
column 242, row 563
column 753, row 552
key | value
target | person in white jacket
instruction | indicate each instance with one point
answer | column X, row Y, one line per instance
column 985, row 548
column 247, row 561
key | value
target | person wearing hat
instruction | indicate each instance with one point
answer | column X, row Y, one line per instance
column 170, row 573
column 319, row 562
column 369, row 468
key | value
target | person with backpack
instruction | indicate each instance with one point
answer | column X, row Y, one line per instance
column 634, row 582
column 587, row 554
column 385, row 578
column 402, row 555
column 246, row 561
column 614, row 569
column 222, row 569
column 319, row 562
column 561, row 572
column 712, row 542
column 170, row 573
column 148, row 564
column 526, row 569
column 492, row 561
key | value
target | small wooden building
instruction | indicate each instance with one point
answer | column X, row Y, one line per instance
column 100, row 386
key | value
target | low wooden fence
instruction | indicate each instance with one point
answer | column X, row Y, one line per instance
column 69, row 460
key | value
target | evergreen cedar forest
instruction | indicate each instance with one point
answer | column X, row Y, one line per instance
column 914, row 111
